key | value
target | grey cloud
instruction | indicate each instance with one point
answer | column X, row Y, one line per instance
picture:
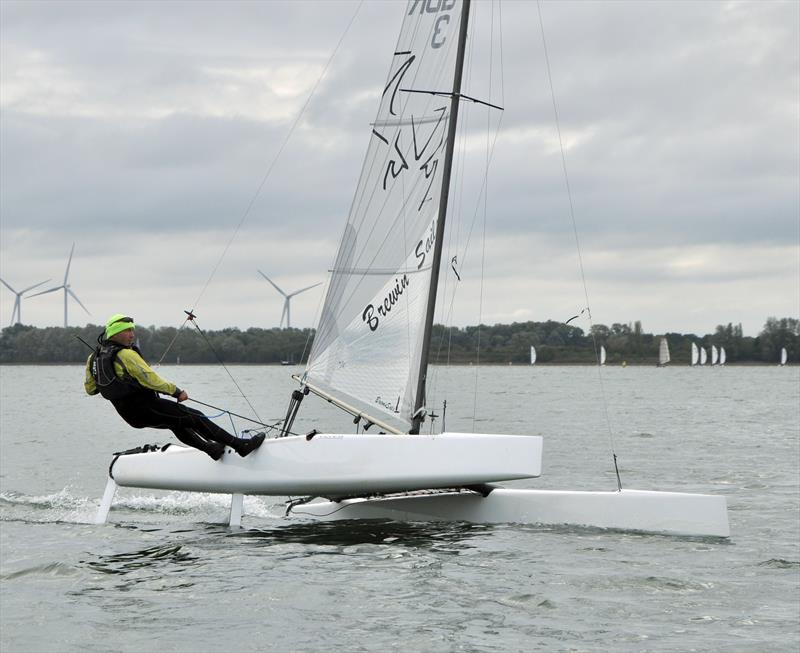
column 681, row 121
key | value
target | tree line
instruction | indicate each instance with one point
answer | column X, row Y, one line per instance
column 555, row 343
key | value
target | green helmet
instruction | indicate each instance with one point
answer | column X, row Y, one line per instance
column 118, row 322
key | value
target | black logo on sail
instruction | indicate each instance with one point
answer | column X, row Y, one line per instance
column 372, row 315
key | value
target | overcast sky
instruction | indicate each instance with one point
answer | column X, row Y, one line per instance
column 141, row 132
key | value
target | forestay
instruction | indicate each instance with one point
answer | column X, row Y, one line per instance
column 368, row 343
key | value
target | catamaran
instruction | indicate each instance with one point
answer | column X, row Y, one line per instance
column 372, row 345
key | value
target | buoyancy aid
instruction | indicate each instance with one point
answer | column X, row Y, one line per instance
column 111, row 386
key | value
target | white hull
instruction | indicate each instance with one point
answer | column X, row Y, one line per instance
column 632, row 510
column 335, row 465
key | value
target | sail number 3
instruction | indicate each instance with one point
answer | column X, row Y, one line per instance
column 438, row 37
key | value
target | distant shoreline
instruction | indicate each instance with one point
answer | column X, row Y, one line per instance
column 555, row 343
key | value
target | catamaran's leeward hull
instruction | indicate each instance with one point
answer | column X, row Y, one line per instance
column 335, row 465
column 630, row 510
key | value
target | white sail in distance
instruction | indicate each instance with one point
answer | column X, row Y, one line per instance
column 703, row 356
column 695, row 354
column 663, row 352
column 368, row 344
column 784, row 356
column 602, row 355
column 722, row 356
column 714, row 355
column 533, row 355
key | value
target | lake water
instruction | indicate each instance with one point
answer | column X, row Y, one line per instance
column 167, row 574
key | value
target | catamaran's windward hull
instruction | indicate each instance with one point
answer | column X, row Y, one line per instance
column 335, row 465
column 631, row 510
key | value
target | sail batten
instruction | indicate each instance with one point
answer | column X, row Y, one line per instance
column 370, row 343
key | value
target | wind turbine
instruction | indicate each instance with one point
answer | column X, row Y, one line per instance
column 18, row 301
column 66, row 288
column 287, row 298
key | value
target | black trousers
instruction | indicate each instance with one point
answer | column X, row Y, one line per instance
column 190, row 426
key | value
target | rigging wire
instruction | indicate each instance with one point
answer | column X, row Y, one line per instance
column 462, row 258
column 485, row 211
column 192, row 318
column 483, row 187
column 578, row 246
column 268, row 172
column 453, row 224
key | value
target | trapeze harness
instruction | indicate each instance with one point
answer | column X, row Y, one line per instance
column 112, row 387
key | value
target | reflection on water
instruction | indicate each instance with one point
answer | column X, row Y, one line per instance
column 352, row 532
column 152, row 557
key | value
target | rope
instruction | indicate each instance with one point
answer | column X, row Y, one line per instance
column 578, row 247
column 172, row 342
column 211, row 347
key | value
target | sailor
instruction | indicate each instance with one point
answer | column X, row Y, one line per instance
column 118, row 372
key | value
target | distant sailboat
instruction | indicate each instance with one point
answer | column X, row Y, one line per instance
column 533, row 355
column 703, row 356
column 722, row 356
column 663, row 353
column 784, row 356
column 695, row 354
column 714, row 355
column 602, row 355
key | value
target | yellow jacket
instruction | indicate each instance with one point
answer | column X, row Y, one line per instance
column 130, row 362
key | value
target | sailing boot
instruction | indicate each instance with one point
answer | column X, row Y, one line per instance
column 244, row 447
column 194, row 439
column 215, row 450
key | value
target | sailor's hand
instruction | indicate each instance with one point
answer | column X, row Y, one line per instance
column 183, row 396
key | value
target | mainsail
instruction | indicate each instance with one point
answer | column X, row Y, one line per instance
column 663, row 352
column 722, row 356
column 714, row 355
column 533, row 355
column 602, row 355
column 369, row 346
column 695, row 354
column 703, row 356
column 784, row 356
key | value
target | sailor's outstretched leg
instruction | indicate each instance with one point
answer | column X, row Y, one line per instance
column 194, row 428
column 190, row 437
column 105, row 503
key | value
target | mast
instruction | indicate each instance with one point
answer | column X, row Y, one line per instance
column 419, row 400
